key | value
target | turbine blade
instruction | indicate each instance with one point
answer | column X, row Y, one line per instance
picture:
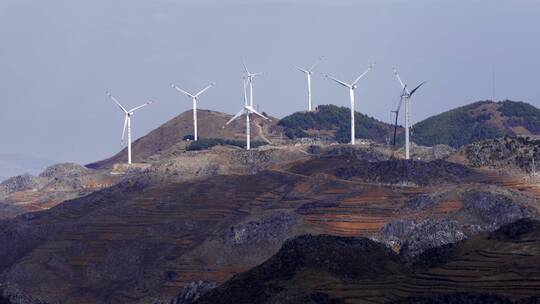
column 141, row 106
column 203, row 90
column 414, row 90
column 235, row 116
column 316, row 63
column 124, row 130
column 338, row 81
column 245, row 92
column 399, row 79
column 257, row 113
column 245, row 67
column 363, row 74
column 181, row 91
column 301, row 70
column 116, row 101
column 400, row 102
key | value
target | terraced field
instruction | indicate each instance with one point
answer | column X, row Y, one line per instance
column 505, row 264
column 144, row 239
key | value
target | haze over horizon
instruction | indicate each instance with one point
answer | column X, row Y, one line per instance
column 59, row 57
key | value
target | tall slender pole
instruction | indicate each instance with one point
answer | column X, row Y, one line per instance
column 195, row 118
column 309, row 90
column 248, row 145
column 407, row 118
column 351, row 91
column 129, row 138
column 251, row 92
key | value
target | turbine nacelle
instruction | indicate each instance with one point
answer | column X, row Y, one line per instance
column 127, row 121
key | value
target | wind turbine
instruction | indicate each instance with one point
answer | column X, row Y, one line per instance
column 247, row 110
column 127, row 122
column 195, row 98
column 405, row 95
column 308, row 75
column 248, row 76
column 351, row 87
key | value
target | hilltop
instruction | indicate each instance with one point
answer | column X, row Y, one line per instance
column 174, row 131
column 15, row 164
column 57, row 183
column 477, row 121
column 330, row 123
column 334, row 122
column 455, row 128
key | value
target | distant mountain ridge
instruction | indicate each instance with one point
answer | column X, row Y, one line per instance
column 12, row 164
column 334, row 122
column 457, row 127
column 477, row 121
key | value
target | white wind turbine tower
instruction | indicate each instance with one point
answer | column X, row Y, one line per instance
column 308, row 73
column 247, row 110
column 352, row 87
column 194, row 98
column 127, row 122
column 249, row 79
column 405, row 95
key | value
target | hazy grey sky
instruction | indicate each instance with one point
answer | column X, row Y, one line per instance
column 58, row 57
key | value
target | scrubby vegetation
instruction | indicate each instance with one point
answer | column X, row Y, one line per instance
column 465, row 125
column 521, row 114
column 519, row 108
column 337, row 119
column 454, row 128
column 207, row 143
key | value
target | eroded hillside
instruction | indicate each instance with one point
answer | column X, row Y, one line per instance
column 194, row 219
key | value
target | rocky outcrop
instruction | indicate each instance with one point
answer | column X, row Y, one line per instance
column 491, row 210
column 412, row 237
column 522, row 153
column 19, row 183
column 192, row 292
column 11, row 295
column 481, row 211
column 66, row 176
column 64, row 170
column 354, row 268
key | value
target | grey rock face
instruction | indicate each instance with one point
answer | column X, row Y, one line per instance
column 411, row 237
column 193, row 291
column 19, row 183
column 267, row 229
column 494, row 210
column 503, row 152
column 483, row 210
column 11, row 295
column 67, row 176
column 64, row 170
